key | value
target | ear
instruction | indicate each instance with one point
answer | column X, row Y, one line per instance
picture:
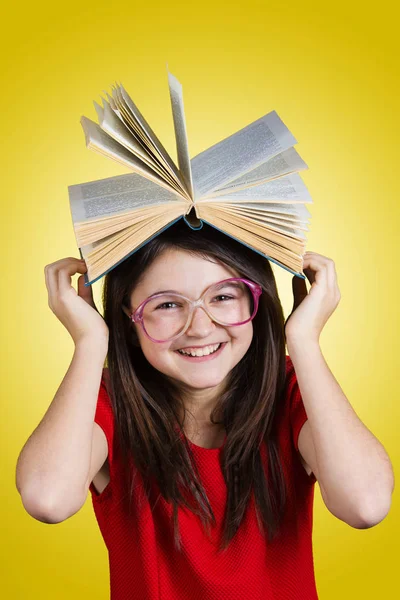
column 126, row 311
column 133, row 332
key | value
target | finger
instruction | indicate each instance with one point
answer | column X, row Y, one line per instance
column 306, row 270
column 52, row 277
column 323, row 260
column 316, row 269
column 316, row 254
column 329, row 265
column 65, row 273
column 51, row 283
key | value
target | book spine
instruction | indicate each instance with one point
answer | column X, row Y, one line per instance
column 192, row 226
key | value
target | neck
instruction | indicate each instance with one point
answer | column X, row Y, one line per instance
column 200, row 403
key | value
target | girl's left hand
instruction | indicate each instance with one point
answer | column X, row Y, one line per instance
column 312, row 309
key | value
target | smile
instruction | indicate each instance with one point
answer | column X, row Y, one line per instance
column 201, row 357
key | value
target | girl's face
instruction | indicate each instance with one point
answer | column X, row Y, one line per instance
column 190, row 275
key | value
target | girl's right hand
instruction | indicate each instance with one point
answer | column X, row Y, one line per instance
column 76, row 310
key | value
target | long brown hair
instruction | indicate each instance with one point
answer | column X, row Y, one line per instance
column 147, row 406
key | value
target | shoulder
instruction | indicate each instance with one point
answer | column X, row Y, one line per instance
column 292, row 389
column 297, row 418
column 104, row 404
column 104, row 414
column 289, row 365
column 105, row 376
column 292, row 402
column 105, row 384
column 288, row 392
column 291, row 379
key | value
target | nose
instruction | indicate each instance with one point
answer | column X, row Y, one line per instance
column 201, row 324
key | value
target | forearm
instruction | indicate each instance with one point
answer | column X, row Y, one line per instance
column 354, row 469
column 53, row 465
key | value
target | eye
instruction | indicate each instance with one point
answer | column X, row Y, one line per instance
column 160, row 306
column 224, row 296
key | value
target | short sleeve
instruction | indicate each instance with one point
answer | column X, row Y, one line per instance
column 104, row 417
column 298, row 415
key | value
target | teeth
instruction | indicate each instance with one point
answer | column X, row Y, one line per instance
column 201, row 351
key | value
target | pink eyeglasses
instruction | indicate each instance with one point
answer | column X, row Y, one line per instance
column 161, row 324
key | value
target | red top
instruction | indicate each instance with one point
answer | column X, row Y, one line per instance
column 144, row 564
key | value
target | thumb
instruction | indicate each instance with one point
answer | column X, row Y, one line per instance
column 85, row 292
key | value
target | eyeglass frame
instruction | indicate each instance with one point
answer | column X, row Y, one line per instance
column 137, row 315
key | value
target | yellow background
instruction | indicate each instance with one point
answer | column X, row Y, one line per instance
column 330, row 73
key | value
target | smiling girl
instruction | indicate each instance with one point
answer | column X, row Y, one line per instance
column 201, row 441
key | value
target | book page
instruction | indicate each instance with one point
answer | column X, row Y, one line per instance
column 100, row 141
column 116, row 128
column 294, row 225
column 286, row 209
column 182, row 148
column 286, row 188
column 115, row 195
column 271, row 224
column 288, row 161
column 268, row 217
column 287, row 251
column 127, row 111
column 109, row 252
column 239, row 153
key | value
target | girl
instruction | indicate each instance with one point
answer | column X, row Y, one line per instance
column 189, row 440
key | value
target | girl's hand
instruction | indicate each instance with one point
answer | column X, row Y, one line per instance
column 312, row 310
column 76, row 311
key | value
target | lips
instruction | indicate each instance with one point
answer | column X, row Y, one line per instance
column 206, row 357
column 197, row 347
column 188, row 353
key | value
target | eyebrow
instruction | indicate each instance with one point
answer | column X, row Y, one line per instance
column 164, row 292
column 230, row 283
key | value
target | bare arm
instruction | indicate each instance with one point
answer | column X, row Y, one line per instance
column 53, row 466
column 352, row 467
column 55, row 463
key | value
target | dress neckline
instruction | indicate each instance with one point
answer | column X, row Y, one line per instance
column 201, row 449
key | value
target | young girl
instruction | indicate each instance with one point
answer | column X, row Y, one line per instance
column 189, row 440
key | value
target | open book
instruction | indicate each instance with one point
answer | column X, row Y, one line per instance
column 247, row 186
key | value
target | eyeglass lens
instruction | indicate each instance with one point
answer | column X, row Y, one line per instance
column 230, row 303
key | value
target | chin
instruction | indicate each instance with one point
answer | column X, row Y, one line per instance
column 199, row 381
column 202, row 383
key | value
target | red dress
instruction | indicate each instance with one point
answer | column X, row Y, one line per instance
column 144, row 564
